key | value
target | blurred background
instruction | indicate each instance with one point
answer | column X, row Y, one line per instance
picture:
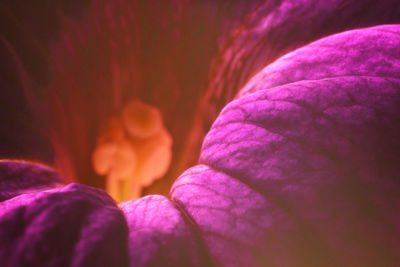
column 67, row 65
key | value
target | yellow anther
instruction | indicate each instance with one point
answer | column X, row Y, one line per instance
column 141, row 120
column 116, row 159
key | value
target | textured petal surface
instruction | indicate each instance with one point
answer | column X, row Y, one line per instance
column 365, row 52
column 276, row 27
column 161, row 235
column 70, row 226
column 18, row 177
column 306, row 173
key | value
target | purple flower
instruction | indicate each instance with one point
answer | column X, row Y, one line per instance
column 300, row 168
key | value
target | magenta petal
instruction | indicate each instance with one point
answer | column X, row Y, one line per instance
column 372, row 52
column 19, row 177
column 161, row 234
column 71, row 226
column 303, row 170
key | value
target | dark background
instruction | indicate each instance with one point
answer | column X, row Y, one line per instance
column 28, row 27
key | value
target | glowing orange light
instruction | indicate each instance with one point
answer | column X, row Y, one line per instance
column 141, row 120
column 133, row 150
column 116, row 159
